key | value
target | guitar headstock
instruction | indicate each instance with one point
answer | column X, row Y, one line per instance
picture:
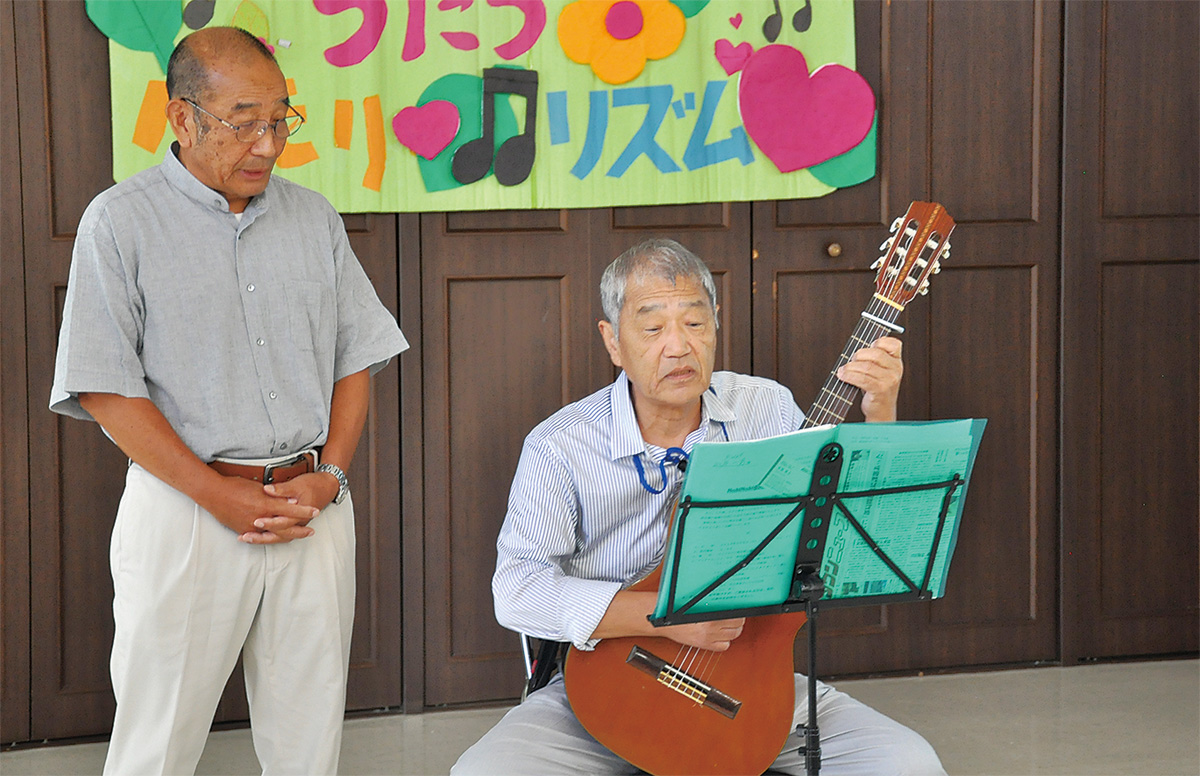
column 919, row 241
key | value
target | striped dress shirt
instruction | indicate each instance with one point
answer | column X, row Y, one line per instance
column 581, row 525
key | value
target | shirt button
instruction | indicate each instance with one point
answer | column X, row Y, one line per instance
column 274, row 396
column 250, row 288
column 283, row 446
column 261, row 341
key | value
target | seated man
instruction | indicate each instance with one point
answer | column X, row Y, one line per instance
column 590, row 505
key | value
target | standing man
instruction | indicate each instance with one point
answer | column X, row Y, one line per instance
column 220, row 329
column 590, row 506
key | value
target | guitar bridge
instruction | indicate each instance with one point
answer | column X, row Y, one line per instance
column 683, row 683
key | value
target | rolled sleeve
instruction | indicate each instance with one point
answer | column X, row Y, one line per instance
column 103, row 322
column 368, row 336
column 533, row 593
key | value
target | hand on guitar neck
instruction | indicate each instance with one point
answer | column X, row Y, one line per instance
column 876, row 371
column 626, row 616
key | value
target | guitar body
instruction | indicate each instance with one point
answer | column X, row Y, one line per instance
column 656, row 704
column 663, row 731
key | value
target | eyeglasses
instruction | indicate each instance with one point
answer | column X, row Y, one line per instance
column 252, row 131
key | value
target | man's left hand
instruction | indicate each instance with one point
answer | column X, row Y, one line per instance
column 310, row 490
column 876, row 370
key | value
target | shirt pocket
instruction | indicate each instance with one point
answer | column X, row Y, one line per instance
column 306, row 313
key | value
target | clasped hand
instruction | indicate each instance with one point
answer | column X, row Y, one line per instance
column 274, row 514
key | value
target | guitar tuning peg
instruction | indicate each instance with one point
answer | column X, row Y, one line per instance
column 937, row 267
column 924, row 290
column 886, row 245
column 878, row 263
column 896, row 224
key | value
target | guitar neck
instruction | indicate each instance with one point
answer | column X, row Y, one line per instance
column 836, row 397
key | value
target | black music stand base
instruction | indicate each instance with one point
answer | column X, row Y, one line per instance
column 812, row 735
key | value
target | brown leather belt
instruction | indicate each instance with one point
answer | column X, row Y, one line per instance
column 271, row 473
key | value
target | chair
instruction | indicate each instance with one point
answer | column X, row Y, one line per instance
column 541, row 662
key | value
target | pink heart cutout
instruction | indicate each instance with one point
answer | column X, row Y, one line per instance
column 736, row 20
column 732, row 58
column 799, row 120
column 427, row 129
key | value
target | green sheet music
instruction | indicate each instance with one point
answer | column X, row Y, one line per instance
column 876, row 455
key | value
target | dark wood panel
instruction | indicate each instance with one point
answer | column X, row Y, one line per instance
column 1148, row 384
column 412, row 470
column 1150, row 153
column 973, row 133
column 525, row 323
column 14, row 437
column 713, row 215
column 508, row 338
column 1131, row 327
column 76, row 71
column 71, row 512
column 1003, row 564
column 506, row 221
column 375, row 650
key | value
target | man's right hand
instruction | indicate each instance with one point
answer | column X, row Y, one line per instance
column 626, row 616
column 714, row 635
column 256, row 516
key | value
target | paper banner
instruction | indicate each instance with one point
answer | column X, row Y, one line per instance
column 433, row 105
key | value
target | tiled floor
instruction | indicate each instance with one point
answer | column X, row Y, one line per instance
column 1128, row 718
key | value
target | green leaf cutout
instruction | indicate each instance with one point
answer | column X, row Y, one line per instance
column 141, row 25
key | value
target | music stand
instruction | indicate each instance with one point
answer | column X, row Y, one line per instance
column 806, row 589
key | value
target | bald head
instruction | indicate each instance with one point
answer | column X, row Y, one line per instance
column 194, row 56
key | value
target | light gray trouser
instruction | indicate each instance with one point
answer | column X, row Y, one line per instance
column 189, row 596
column 542, row 736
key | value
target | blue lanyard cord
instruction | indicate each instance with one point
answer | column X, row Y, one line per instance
column 674, row 455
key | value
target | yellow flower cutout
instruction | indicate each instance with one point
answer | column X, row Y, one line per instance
column 616, row 37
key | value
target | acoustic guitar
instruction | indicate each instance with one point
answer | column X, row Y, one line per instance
column 673, row 709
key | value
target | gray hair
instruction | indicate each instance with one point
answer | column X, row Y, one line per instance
column 656, row 258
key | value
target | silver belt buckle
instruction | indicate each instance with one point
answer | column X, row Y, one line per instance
column 269, row 469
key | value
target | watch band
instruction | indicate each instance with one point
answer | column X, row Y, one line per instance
column 343, row 483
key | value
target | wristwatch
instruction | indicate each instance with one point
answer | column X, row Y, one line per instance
column 343, row 483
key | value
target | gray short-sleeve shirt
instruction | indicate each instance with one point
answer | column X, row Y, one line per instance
column 236, row 329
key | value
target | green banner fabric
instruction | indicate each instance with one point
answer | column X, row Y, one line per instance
column 431, row 105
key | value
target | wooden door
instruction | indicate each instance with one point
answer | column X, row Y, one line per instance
column 14, row 434
column 510, row 302
column 1131, row 329
column 982, row 344
column 76, row 475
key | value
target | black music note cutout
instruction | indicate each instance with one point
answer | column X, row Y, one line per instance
column 514, row 157
column 773, row 24
column 198, row 13
column 803, row 18
column 801, row 21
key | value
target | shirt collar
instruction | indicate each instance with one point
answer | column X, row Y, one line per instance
column 716, row 408
column 627, row 436
column 182, row 179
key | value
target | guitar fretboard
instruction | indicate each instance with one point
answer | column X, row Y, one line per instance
column 836, row 398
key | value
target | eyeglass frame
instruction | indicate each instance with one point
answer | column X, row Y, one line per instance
column 262, row 123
